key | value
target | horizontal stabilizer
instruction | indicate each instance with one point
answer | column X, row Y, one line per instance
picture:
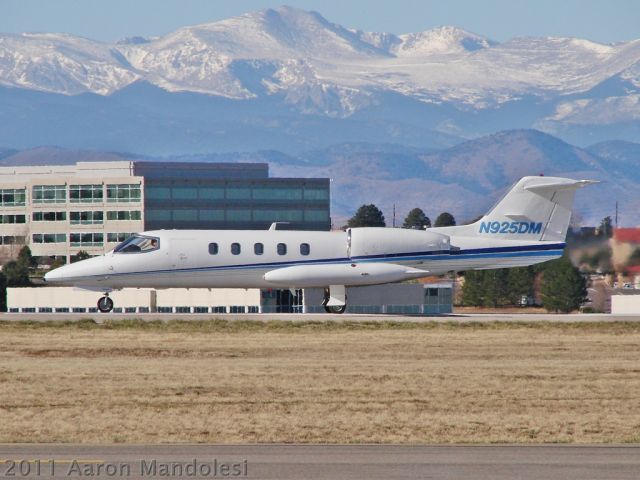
column 559, row 185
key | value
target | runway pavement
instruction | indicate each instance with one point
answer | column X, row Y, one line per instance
column 284, row 462
column 320, row 317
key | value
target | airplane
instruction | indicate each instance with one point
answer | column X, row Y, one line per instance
column 528, row 226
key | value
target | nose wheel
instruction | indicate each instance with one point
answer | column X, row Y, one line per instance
column 105, row 304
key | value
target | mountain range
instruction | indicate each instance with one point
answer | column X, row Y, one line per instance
column 464, row 180
column 443, row 119
column 291, row 80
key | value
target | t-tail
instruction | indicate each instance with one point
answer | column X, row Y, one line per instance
column 535, row 209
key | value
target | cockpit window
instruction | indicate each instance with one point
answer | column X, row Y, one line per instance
column 138, row 244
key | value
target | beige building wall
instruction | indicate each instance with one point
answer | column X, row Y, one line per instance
column 54, row 298
column 82, row 173
column 625, row 304
column 246, row 298
column 132, row 300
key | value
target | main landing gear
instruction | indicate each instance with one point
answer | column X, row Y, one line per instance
column 335, row 299
column 105, row 304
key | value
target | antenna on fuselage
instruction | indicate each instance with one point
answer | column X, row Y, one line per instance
column 274, row 225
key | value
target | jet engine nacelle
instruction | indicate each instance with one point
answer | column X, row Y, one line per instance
column 374, row 242
column 304, row 276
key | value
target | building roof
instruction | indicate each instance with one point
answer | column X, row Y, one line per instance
column 627, row 235
column 201, row 170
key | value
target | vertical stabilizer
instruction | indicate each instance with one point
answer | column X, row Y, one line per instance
column 535, row 209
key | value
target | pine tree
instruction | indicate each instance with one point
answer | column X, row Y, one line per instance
column 520, row 282
column 416, row 219
column 367, row 216
column 445, row 219
column 16, row 274
column 26, row 259
column 485, row 288
column 605, row 229
column 473, row 288
column 81, row 255
column 3, row 292
column 562, row 289
column 496, row 289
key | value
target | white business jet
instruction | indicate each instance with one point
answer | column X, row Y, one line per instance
column 528, row 226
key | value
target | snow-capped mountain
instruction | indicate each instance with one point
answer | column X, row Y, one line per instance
column 61, row 63
column 460, row 83
column 270, row 45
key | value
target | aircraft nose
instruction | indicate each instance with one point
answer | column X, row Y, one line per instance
column 56, row 275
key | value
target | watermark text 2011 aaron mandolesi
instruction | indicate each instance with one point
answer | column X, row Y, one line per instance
column 153, row 468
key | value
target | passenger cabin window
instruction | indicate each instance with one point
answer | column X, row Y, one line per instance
column 305, row 249
column 213, row 248
column 282, row 249
column 138, row 244
column 235, row 248
column 258, row 248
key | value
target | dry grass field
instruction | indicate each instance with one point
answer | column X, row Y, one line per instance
column 348, row 383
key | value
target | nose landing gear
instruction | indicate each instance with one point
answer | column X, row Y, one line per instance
column 105, row 304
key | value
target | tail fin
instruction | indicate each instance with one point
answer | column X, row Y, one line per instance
column 536, row 208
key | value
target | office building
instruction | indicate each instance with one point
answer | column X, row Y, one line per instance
column 59, row 210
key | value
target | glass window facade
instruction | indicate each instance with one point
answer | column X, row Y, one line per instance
column 49, row 237
column 277, row 215
column 49, row 216
column 316, row 193
column 211, row 192
column 12, row 240
column 185, row 215
column 124, row 215
column 12, row 197
column 277, row 193
column 123, row 193
column 211, row 215
column 86, row 218
column 49, row 193
column 157, row 193
column 13, row 219
column 238, row 193
column 158, row 215
column 88, row 239
column 316, row 215
column 234, row 203
column 184, row 193
column 238, row 215
column 86, row 193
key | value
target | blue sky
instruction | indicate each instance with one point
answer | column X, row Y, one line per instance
column 109, row 20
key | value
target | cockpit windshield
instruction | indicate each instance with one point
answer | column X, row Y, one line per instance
column 138, row 244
